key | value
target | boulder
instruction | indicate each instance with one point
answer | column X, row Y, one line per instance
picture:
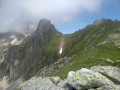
column 97, row 78
column 39, row 83
column 108, row 71
column 87, row 79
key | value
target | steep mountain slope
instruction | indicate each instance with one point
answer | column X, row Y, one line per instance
column 15, row 36
column 8, row 39
column 91, row 36
column 97, row 44
column 36, row 51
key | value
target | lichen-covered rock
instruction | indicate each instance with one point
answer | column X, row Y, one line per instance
column 40, row 84
column 97, row 78
column 55, row 80
column 87, row 79
column 109, row 71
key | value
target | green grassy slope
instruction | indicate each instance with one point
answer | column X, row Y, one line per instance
column 91, row 57
column 89, row 37
column 85, row 45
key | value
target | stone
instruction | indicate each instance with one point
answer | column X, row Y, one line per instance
column 117, row 60
column 86, row 79
column 109, row 60
column 108, row 70
column 96, row 78
column 56, row 79
column 38, row 83
column 70, row 74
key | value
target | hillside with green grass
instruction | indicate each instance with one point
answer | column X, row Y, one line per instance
column 97, row 44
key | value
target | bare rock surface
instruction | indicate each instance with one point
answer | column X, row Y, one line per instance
column 97, row 78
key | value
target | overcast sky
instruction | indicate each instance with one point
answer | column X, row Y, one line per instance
column 67, row 15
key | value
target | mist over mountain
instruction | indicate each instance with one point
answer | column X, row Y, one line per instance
column 59, row 44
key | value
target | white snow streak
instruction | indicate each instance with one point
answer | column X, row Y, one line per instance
column 60, row 50
column 14, row 41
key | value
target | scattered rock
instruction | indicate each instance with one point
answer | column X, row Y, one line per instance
column 55, row 80
column 109, row 60
column 53, row 67
column 118, row 60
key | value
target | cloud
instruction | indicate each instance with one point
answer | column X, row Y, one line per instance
column 14, row 11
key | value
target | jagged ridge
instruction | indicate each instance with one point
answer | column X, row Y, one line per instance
column 27, row 58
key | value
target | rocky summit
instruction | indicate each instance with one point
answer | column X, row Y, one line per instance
column 30, row 53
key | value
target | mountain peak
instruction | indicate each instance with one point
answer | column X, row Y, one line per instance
column 103, row 20
column 45, row 26
column 44, row 21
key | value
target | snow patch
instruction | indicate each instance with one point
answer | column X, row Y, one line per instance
column 27, row 35
column 60, row 51
column 14, row 41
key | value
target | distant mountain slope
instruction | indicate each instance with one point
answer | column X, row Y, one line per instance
column 97, row 44
column 15, row 36
column 8, row 39
column 92, row 36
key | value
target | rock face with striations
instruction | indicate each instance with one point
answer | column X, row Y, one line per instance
column 28, row 57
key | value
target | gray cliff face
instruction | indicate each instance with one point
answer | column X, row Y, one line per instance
column 8, row 39
column 44, row 31
column 15, row 36
column 22, row 60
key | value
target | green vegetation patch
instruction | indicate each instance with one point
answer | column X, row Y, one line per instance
column 91, row 57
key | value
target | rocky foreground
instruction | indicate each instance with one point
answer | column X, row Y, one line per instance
column 97, row 78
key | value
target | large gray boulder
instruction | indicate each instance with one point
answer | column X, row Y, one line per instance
column 47, row 83
column 97, row 78
column 108, row 71
column 87, row 79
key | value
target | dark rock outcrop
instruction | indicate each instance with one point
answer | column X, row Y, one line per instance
column 27, row 58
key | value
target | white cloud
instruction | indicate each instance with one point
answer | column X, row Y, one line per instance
column 12, row 11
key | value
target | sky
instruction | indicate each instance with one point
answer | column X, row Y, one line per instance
column 68, row 16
